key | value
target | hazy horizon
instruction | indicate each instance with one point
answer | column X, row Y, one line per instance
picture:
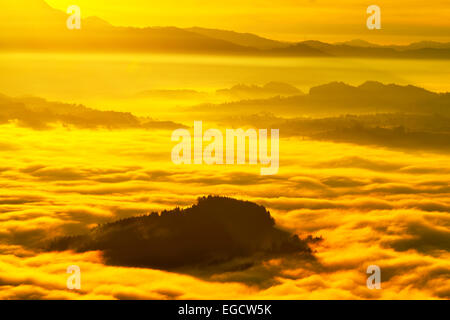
column 302, row 20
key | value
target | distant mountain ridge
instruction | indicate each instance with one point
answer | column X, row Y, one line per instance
column 242, row 39
column 339, row 98
column 42, row 28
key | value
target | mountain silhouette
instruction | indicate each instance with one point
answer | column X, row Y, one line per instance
column 38, row 113
column 411, row 46
column 363, row 49
column 373, row 96
column 359, row 43
column 241, row 39
column 337, row 98
column 213, row 231
column 38, row 27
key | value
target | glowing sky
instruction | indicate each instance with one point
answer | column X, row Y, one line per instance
column 402, row 21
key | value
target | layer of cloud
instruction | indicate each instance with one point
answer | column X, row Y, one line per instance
column 371, row 206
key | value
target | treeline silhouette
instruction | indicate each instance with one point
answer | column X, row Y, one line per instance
column 336, row 98
column 38, row 113
column 213, row 231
